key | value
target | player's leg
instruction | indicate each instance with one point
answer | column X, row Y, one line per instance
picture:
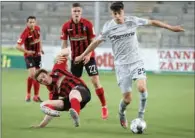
column 31, row 70
column 141, row 86
column 92, row 71
column 126, row 90
column 79, row 97
column 125, row 83
column 36, row 98
column 76, row 69
column 140, row 76
column 75, row 99
column 52, row 107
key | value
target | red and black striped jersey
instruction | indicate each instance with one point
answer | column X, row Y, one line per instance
column 79, row 34
column 31, row 40
column 62, row 82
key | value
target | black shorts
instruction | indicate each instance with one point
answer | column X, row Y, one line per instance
column 91, row 68
column 32, row 62
column 85, row 94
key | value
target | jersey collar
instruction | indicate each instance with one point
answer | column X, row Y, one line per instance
column 81, row 20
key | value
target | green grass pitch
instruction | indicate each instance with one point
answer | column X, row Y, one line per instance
column 169, row 114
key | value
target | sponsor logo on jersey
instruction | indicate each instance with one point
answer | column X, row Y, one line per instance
column 78, row 38
column 115, row 37
column 35, row 41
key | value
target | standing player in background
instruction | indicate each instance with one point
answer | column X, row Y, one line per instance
column 32, row 50
column 81, row 33
column 129, row 65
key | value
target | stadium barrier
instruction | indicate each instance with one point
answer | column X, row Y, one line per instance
column 12, row 61
column 156, row 60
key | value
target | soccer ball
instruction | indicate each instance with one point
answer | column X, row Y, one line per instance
column 138, row 126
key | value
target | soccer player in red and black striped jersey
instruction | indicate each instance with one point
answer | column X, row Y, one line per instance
column 32, row 50
column 61, row 83
column 80, row 32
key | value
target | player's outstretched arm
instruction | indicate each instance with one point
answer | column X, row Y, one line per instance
column 63, row 55
column 166, row 26
column 44, row 122
column 90, row 48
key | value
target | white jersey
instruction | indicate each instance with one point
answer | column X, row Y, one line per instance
column 123, row 39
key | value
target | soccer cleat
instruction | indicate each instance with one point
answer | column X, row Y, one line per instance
column 104, row 112
column 37, row 99
column 27, row 99
column 75, row 117
column 123, row 120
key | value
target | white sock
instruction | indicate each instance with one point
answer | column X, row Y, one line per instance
column 142, row 106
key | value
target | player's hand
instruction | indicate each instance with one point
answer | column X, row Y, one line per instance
column 60, row 59
column 86, row 59
column 177, row 29
column 29, row 52
column 78, row 59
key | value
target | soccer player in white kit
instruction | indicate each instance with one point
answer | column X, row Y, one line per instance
column 129, row 65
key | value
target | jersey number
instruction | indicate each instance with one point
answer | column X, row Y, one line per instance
column 92, row 69
column 141, row 71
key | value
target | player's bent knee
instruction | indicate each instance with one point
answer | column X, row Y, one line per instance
column 127, row 97
column 75, row 94
column 141, row 88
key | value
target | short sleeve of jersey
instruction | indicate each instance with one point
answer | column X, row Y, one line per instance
column 22, row 38
column 91, row 30
column 64, row 34
column 104, row 33
column 141, row 21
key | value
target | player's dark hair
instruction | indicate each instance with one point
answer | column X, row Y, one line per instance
column 30, row 17
column 38, row 72
column 76, row 5
column 117, row 6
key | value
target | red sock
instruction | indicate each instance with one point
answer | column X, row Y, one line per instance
column 100, row 94
column 29, row 85
column 36, row 88
column 75, row 104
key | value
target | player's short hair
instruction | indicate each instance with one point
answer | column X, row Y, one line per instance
column 117, row 6
column 76, row 5
column 38, row 72
column 30, row 17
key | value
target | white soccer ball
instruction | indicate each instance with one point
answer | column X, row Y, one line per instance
column 138, row 126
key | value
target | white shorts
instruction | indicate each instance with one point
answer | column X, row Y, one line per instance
column 126, row 73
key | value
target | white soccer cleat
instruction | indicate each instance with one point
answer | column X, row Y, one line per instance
column 75, row 117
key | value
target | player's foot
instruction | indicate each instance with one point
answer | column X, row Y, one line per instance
column 27, row 99
column 75, row 117
column 123, row 120
column 37, row 99
column 104, row 112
